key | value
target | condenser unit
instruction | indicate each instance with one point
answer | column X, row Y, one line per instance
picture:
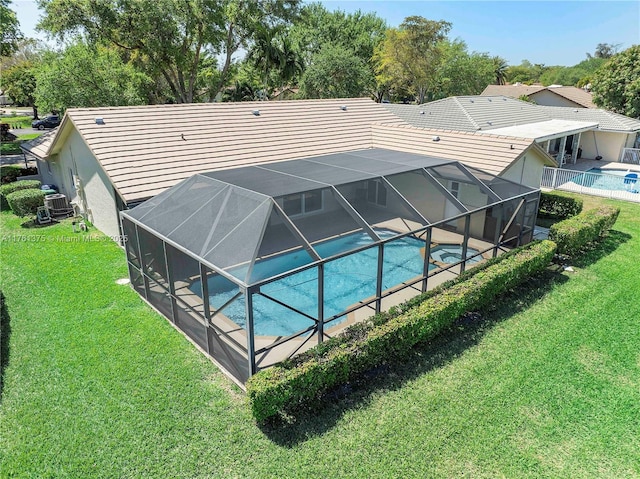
column 58, row 205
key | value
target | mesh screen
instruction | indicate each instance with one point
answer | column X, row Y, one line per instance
column 131, row 242
column 380, row 206
column 503, row 188
column 456, row 182
column 425, row 197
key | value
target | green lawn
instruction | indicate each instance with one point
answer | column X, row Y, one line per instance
column 544, row 384
column 17, row 121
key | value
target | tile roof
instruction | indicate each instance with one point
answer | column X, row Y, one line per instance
column 469, row 113
column 487, row 113
column 572, row 93
column 148, row 149
column 491, row 153
column 607, row 120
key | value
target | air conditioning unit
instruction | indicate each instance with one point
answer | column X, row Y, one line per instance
column 58, row 205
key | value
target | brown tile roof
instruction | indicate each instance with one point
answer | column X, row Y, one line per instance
column 491, row 153
column 572, row 93
column 148, row 149
column 576, row 95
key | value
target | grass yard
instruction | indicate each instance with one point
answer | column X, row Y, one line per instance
column 17, row 121
column 545, row 384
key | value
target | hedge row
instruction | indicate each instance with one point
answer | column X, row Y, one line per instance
column 573, row 234
column 9, row 173
column 4, row 323
column 9, row 188
column 25, row 202
column 304, row 379
column 557, row 206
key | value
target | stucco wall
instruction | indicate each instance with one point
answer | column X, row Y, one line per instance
column 548, row 98
column 606, row 144
column 527, row 169
column 94, row 193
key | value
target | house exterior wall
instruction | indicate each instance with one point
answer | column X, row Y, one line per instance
column 607, row 144
column 547, row 98
column 79, row 176
column 526, row 170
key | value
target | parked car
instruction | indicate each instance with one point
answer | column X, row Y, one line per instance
column 47, row 122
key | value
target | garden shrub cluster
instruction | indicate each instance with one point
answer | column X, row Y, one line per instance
column 558, row 206
column 573, row 234
column 8, row 188
column 26, row 202
column 9, row 173
column 307, row 377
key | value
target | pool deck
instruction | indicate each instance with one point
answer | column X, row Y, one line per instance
column 585, row 165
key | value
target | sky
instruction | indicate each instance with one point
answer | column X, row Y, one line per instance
column 544, row 31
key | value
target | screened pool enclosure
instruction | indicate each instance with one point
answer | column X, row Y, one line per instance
column 259, row 263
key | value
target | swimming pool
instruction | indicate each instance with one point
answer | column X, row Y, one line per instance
column 347, row 281
column 609, row 179
column 452, row 253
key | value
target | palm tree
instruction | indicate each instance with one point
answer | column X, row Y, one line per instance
column 265, row 53
column 500, row 66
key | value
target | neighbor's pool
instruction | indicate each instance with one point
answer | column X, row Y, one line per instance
column 347, row 281
column 609, row 180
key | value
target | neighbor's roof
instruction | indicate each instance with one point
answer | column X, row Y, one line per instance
column 469, row 113
column 606, row 120
column 572, row 93
column 489, row 152
column 488, row 113
column 147, row 149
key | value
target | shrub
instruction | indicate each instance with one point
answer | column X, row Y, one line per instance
column 573, row 234
column 25, row 202
column 9, row 188
column 303, row 379
column 554, row 205
column 9, row 173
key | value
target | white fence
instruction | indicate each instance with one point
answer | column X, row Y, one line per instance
column 596, row 184
column 630, row 155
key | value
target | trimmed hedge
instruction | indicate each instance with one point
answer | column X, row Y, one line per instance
column 573, row 234
column 9, row 173
column 25, row 202
column 554, row 205
column 303, row 379
column 19, row 185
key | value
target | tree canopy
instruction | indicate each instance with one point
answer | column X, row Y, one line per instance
column 9, row 29
column 409, row 57
column 616, row 86
column 169, row 37
column 87, row 76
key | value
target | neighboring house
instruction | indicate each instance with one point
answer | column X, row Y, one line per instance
column 565, row 133
column 110, row 159
column 554, row 95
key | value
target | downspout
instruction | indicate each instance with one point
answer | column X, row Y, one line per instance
column 595, row 142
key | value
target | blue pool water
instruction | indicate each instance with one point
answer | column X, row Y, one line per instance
column 609, row 180
column 347, row 281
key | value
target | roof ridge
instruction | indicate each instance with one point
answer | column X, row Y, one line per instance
column 466, row 113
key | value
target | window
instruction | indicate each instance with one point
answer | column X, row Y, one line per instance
column 376, row 193
column 455, row 188
column 302, row 203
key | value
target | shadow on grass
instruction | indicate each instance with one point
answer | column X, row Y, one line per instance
column 601, row 248
column 5, row 332
column 430, row 355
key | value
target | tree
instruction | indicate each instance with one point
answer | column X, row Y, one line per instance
column 359, row 33
column 526, row 72
column 460, row 72
column 9, row 29
column 335, row 72
column 170, row 36
column 409, row 56
column 616, row 86
column 87, row 76
column 500, row 67
column 19, row 82
column 605, row 50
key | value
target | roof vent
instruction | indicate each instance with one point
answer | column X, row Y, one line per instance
column 99, row 120
column 489, row 123
column 256, row 112
column 422, row 112
column 489, row 99
column 343, row 107
column 436, row 138
column 471, row 101
column 576, row 110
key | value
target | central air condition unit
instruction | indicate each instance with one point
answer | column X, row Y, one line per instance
column 58, row 205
